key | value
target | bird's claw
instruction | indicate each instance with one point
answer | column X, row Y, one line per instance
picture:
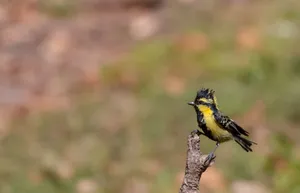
column 197, row 132
column 210, row 158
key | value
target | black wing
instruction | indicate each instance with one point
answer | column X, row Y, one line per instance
column 228, row 124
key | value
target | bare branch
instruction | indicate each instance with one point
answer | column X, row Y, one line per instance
column 196, row 164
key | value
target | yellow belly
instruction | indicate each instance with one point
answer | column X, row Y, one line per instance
column 218, row 133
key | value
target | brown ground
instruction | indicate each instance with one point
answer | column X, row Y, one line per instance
column 48, row 51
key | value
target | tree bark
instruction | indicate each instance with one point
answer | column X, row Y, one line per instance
column 196, row 164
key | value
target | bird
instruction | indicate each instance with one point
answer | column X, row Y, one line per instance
column 215, row 125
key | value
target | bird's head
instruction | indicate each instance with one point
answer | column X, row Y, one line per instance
column 205, row 96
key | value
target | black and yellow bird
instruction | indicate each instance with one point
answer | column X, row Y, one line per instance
column 214, row 124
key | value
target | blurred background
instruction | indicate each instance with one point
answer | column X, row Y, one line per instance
column 94, row 93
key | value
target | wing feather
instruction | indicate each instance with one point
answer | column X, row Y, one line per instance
column 228, row 124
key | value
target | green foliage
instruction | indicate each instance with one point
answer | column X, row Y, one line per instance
column 137, row 127
column 59, row 9
column 287, row 180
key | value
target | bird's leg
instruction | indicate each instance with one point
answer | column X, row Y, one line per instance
column 217, row 145
column 211, row 155
column 197, row 132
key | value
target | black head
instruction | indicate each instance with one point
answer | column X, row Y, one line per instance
column 204, row 96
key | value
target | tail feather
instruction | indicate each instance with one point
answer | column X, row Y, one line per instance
column 244, row 143
column 240, row 129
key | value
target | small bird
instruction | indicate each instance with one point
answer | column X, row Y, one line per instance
column 214, row 124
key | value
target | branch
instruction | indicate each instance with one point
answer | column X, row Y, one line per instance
column 196, row 164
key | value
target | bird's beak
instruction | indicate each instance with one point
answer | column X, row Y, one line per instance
column 191, row 103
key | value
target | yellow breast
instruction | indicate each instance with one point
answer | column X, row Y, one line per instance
column 211, row 124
